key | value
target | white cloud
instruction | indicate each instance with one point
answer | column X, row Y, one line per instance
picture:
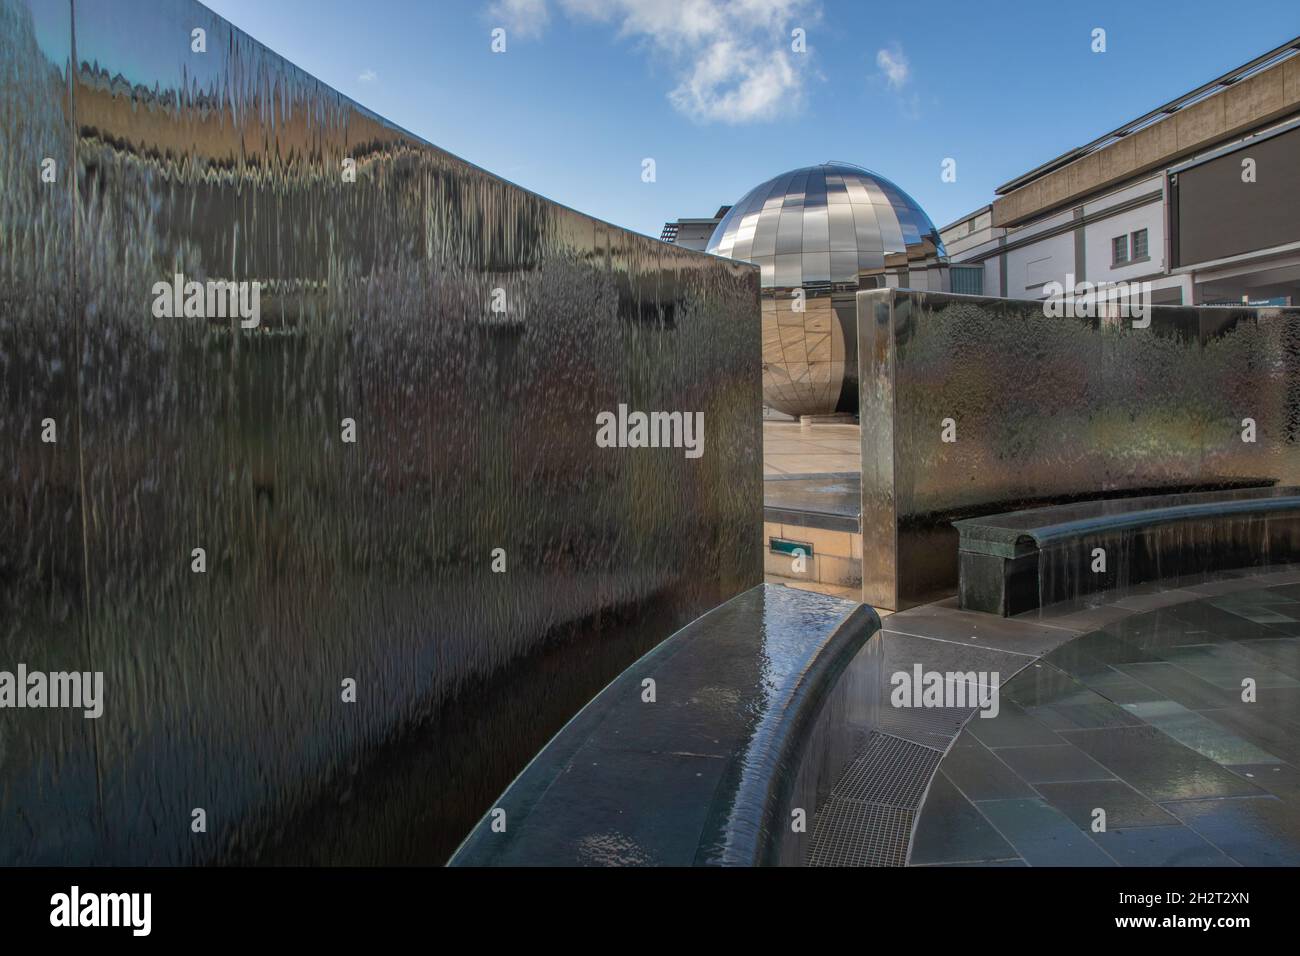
column 521, row 18
column 731, row 82
column 895, row 72
column 732, row 59
column 368, row 76
column 894, row 67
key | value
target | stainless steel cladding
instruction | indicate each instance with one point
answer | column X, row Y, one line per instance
column 347, row 563
column 978, row 406
column 820, row 234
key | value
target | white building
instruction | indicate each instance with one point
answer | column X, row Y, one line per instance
column 693, row 233
column 1200, row 197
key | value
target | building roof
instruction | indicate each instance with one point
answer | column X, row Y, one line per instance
column 1271, row 58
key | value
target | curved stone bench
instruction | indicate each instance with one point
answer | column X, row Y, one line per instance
column 702, row 751
column 1015, row 562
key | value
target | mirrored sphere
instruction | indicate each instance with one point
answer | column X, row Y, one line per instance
column 820, row 234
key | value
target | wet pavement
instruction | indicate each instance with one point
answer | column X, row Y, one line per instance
column 832, row 501
column 1177, row 727
column 675, row 762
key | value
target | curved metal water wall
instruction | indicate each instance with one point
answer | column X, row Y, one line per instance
column 129, row 439
column 974, row 405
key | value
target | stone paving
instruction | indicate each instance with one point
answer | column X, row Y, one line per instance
column 1156, row 726
column 1178, row 727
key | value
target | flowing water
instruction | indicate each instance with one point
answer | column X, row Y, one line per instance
column 463, row 333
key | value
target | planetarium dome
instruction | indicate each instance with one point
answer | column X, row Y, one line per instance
column 819, row 234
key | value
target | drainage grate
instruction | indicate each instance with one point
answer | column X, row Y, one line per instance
column 868, row 819
column 890, row 772
column 933, row 727
column 848, row 833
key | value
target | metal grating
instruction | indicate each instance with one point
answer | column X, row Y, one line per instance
column 933, row 727
column 868, row 819
column 890, row 772
column 848, row 833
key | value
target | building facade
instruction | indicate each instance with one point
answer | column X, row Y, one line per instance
column 1200, row 198
column 693, row 233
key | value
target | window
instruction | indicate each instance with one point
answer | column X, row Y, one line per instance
column 1130, row 248
column 1119, row 250
column 1139, row 244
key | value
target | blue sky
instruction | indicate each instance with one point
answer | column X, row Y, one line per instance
column 713, row 92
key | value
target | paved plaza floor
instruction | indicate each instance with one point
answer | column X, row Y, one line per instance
column 1157, row 726
column 1179, row 727
column 793, row 449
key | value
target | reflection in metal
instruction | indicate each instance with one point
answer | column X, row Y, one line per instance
column 1048, row 410
column 819, row 235
column 325, row 560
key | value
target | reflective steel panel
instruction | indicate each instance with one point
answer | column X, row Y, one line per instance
column 242, row 526
column 1046, row 410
